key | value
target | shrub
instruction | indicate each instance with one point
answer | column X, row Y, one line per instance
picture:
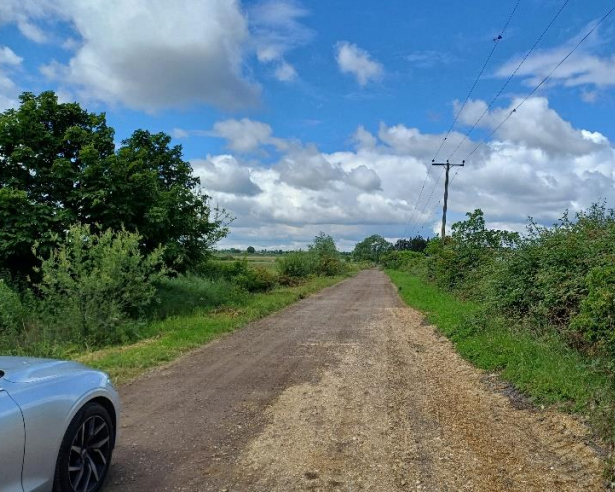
column 401, row 260
column 11, row 310
column 596, row 319
column 298, row 264
column 327, row 259
column 93, row 282
column 257, row 279
column 188, row 293
column 226, row 270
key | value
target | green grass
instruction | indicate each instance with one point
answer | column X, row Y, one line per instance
column 542, row 367
column 166, row 340
column 255, row 260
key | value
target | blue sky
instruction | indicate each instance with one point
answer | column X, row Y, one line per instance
column 309, row 116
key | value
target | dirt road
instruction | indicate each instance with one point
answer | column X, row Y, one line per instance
column 347, row 390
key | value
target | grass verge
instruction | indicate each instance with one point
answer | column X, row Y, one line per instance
column 542, row 367
column 166, row 340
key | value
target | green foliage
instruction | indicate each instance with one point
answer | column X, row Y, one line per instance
column 371, row 248
column 185, row 294
column 417, row 243
column 60, row 167
column 596, row 318
column 240, row 273
column 472, row 248
column 257, row 279
column 251, row 250
column 327, row 260
column 93, row 282
column 401, row 260
column 12, row 312
column 322, row 258
column 299, row 264
column 543, row 367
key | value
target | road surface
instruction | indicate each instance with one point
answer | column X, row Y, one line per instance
column 346, row 390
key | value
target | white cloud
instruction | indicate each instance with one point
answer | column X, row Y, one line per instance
column 8, row 57
column 535, row 125
column 364, row 178
column 364, row 139
column 358, row 62
column 9, row 91
column 285, row 72
column 25, row 13
column 308, row 168
column 148, row 55
column 246, row 135
column 583, row 68
column 373, row 189
column 223, row 173
column 277, row 30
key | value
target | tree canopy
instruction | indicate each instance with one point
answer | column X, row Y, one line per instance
column 60, row 167
column 371, row 248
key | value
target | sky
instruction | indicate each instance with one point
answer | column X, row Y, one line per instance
column 309, row 116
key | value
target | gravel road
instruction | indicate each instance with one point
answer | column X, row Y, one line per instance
column 347, row 390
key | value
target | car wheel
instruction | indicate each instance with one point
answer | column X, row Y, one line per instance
column 85, row 453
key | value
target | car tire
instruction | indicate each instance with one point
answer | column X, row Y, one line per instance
column 85, row 454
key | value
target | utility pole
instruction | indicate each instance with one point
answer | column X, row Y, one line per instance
column 448, row 166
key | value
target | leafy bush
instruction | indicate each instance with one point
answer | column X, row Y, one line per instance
column 558, row 278
column 188, row 293
column 298, row 264
column 471, row 247
column 328, row 261
column 257, row 279
column 401, row 260
column 371, row 248
column 11, row 311
column 93, row 282
column 596, row 319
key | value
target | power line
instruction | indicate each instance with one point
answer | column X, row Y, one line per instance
column 499, row 93
column 535, row 89
column 480, row 74
column 430, row 196
column 497, row 39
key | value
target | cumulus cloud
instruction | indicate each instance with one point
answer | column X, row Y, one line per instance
column 9, row 61
column 364, row 178
column 246, row 135
column 147, row 55
column 535, row 125
column 285, row 72
column 374, row 188
column 585, row 67
column 308, row 168
column 358, row 62
column 224, row 173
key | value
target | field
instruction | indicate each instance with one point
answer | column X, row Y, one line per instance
column 256, row 260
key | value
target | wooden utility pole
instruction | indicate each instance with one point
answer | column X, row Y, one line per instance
column 448, row 166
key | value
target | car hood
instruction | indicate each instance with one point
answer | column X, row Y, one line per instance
column 31, row 369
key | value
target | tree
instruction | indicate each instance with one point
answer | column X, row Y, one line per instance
column 60, row 167
column 417, row 243
column 250, row 250
column 327, row 257
column 371, row 248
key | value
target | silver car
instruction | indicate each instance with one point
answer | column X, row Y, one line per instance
column 58, row 426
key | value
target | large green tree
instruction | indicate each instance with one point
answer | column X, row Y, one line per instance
column 59, row 166
column 371, row 248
